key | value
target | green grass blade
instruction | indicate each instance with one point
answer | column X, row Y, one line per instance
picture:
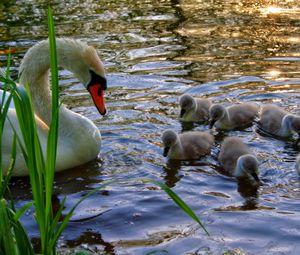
column 53, row 130
column 20, row 142
column 7, row 241
column 3, row 114
column 52, row 135
column 58, row 214
column 6, row 76
column 179, row 202
column 12, row 159
column 34, row 160
column 22, row 240
column 5, row 182
column 20, row 212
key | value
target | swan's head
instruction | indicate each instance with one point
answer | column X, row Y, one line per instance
column 186, row 103
column 247, row 165
column 216, row 112
column 73, row 55
column 169, row 139
column 93, row 77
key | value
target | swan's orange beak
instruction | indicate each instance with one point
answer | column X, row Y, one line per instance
column 97, row 93
column 96, row 87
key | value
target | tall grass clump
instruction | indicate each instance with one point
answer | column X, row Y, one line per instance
column 13, row 237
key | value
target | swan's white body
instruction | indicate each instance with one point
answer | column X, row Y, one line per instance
column 79, row 139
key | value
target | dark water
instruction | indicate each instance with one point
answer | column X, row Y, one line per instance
column 154, row 51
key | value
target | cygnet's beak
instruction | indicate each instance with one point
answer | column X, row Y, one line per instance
column 182, row 112
column 96, row 88
column 254, row 175
column 211, row 123
column 166, row 150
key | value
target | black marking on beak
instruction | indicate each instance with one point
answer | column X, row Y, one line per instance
column 166, row 150
column 182, row 112
column 97, row 79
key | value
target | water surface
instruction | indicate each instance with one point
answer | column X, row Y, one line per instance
column 154, row 51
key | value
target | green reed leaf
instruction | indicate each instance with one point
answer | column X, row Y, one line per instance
column 180, row 203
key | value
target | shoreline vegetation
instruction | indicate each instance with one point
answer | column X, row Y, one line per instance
column 14, row 239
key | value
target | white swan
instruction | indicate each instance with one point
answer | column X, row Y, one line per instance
column 79, row 139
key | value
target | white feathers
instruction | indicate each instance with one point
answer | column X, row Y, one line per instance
column 79, row 139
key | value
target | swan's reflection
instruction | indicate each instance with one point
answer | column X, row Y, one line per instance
column 81, row 178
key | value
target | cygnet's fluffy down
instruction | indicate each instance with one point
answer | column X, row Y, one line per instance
column 298, row 164
column 235, row 116
column 278, row 122
column 188, row 145
column 194, row 110
column 237, row 159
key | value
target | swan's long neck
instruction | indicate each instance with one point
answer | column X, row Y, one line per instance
column 34, row 71
column 40, row 93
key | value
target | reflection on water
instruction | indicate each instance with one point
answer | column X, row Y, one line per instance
column 154, row 51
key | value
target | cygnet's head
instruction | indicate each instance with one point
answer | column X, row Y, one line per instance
column 295, row 124
column 169, row 139
column 247, row 165
column 186, row 103
column 216, row 112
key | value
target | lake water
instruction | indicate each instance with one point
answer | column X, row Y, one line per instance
column 154, row 51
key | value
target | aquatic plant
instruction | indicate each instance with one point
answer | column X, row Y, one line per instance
column 13, row 237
